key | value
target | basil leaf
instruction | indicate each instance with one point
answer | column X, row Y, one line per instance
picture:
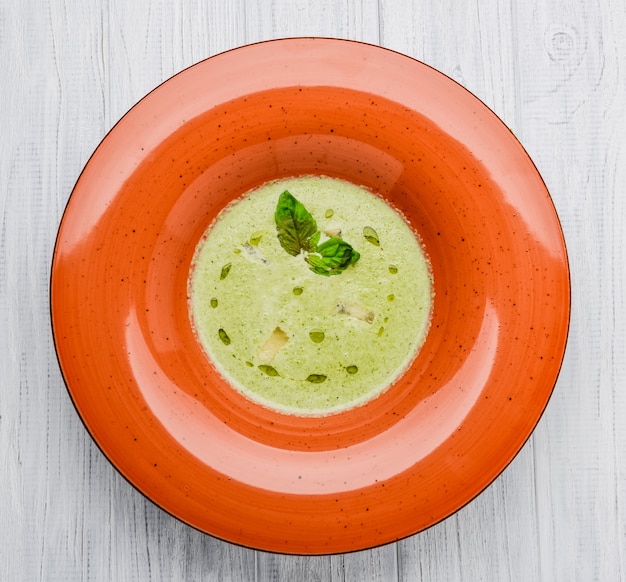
column 297, row 229
column 332, row 257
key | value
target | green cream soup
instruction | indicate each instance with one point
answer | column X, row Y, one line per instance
column 296, row 340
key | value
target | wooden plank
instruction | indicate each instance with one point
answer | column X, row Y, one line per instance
column 571, row 80
column 351, row 19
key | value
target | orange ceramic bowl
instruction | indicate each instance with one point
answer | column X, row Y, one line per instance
column 182, row 435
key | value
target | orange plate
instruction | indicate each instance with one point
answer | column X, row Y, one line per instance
column 225, row 465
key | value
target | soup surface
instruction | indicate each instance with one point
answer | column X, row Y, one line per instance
column 283, row 330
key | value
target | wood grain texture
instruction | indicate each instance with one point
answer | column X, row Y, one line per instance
column 555, row 72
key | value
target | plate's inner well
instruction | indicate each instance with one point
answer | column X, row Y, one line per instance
column 328, row 318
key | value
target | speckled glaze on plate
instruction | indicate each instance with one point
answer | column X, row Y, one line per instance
column 225, row 465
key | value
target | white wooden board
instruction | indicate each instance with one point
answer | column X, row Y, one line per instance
column 554, row 70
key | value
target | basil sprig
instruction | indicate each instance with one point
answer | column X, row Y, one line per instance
column 297, row 232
